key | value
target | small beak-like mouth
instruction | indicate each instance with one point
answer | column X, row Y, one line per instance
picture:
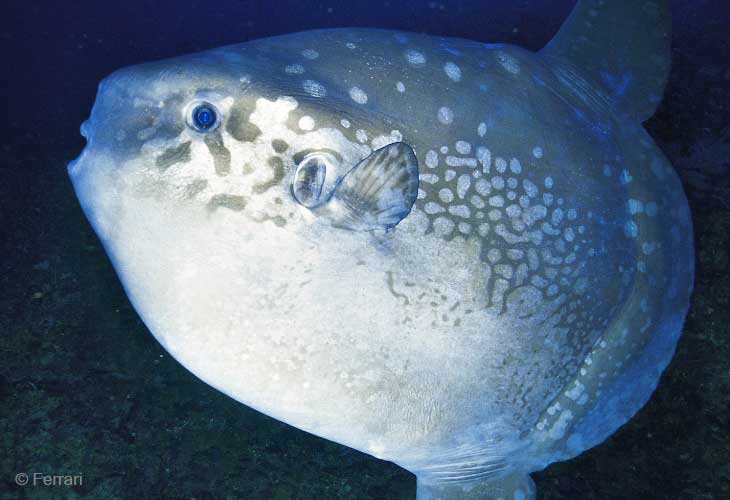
column 85, row 129
column 74, row 165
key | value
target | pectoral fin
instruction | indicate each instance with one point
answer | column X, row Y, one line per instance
column 378, row 192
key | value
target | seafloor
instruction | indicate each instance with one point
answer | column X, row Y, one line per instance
column 85, row 389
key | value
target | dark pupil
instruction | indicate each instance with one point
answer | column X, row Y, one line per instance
column 204, row 117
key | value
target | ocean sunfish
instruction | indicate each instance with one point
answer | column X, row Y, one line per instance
column 468, row 259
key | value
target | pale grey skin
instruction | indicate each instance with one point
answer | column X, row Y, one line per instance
column 520, row 313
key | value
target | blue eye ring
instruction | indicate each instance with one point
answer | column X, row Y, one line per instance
column 203, row 117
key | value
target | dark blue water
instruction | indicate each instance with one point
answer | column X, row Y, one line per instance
column 84, row 388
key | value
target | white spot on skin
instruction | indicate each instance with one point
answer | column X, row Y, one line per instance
column 350, row 45
column 482, row 129
column 452, row 71
column 460, row 211
column 294, row 69
column 310, row 53
column 315, row 89
column 383, row 140
column 361, row 135
column 446, row 195
column 443, row 226
column 432, row 159
column 501, row 165
column 552, row 409
column 462, row 185
column 345, row 123
column 635, row 206
column 513, row 211
column 575, row 392
column 306, row 123
column 358, row 95
column 414, row 57
column 496, row 201
column 548, row 182
column 272, row 112
column 433, row 208
column 537, row 152
column 400, row 87
column 455, row 161
column 445, row 115
column 463, row 147
column 483, row 187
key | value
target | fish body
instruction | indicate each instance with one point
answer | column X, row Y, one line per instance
column 468, row 259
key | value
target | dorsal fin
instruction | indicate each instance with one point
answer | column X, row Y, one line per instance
column 621, row 47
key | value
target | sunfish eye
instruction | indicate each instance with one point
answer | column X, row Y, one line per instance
column 309, row 180
column 203, row 117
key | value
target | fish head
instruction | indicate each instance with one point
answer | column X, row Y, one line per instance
column 219, row 132
column 240, row 214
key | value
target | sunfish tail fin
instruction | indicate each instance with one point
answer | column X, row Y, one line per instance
column 621, row 47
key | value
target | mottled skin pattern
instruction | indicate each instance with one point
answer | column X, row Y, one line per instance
column 519, row 314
